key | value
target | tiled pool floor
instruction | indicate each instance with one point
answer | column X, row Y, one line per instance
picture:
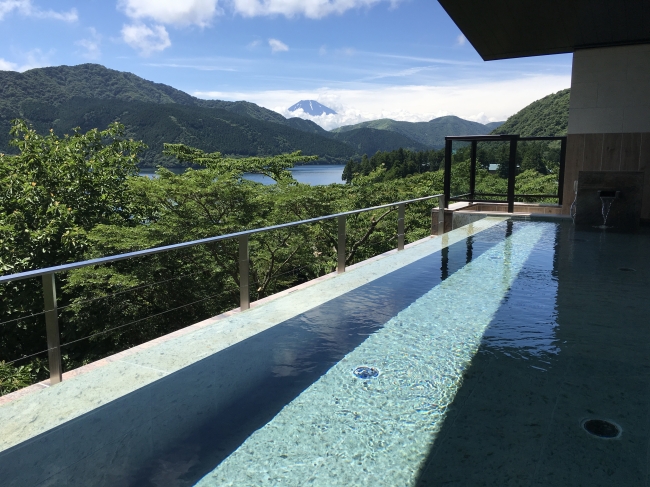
column 516, row 420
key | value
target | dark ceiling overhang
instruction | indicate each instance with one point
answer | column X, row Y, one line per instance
column 502, row 29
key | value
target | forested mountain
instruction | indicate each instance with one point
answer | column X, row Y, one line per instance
column 546, row 117
column 59, row 84
column 431, row 134
column 494, row 125
column 369, row 141
column 64, row 97
column 308, row 126
column 210, row 129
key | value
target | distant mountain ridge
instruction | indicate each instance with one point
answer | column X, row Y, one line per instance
column 430, row 134
column 91, row 96
column 368, row 141
column 56, row 85
column 210, row 129
column 312, row 107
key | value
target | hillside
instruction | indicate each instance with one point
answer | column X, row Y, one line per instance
column 431, row 134
column 369, row 141
column 210, row 129
column 59, row 84
column 546, row 117
column 493, row 125
column 308, row 126
column 65, row 97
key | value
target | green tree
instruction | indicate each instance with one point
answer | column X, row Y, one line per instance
column 348, row 171
column 533, row 158
column 366, row 167
column 53, row 192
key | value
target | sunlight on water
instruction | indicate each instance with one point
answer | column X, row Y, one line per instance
column 346, row 431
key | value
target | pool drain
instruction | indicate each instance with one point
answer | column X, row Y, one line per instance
column 602, row 428
column 366, row 372
column 626, row 269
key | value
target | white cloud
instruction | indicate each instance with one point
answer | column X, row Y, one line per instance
column 7, row 66
column 32, row 59
column 487, row 101
column 278, row 46
column 198, row 67
column 27, row 9
column 173, row 12
column 146, row 39
column 91, row 45
column 314, row 9
column 461, row 40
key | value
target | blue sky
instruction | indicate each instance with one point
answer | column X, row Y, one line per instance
column 367, row 59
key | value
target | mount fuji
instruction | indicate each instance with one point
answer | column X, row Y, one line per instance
column 312, row 107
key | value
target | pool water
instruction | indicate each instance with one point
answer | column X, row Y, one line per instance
column 301, row 351
column 474, row 365
column 342, row 431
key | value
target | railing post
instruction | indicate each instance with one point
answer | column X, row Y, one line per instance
column 244, row 269
column 401, row 211
column 560, row 181
column 441, row 215
column 434, row 214
column 447, row 175
column 340, row 254
column 512, row 173
column 52, row 329
column 472, row 173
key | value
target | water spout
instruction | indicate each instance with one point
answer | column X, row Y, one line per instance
column 607, row 198
column 573, row 209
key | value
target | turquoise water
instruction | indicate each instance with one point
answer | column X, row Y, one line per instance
column 344, row 431
column 491, row 354
column 314, row 175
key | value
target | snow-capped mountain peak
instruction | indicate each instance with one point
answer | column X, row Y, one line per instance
column 312, row 107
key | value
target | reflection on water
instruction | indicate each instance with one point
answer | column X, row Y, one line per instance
column 526, row 323
column 315, row 175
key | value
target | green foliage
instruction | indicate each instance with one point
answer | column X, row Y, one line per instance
column 56, row 189
column 52, row 194
column 396, row 164
column 14, row 378
column 274, row 167
column 538, row 178
column 546, row 117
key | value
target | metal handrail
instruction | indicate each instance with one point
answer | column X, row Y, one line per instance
column 49, row 284
column 155, row 250
column 513, row 140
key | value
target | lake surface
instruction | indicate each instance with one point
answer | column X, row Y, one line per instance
column 315, row 175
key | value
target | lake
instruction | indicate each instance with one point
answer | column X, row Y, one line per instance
column 315, row 175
